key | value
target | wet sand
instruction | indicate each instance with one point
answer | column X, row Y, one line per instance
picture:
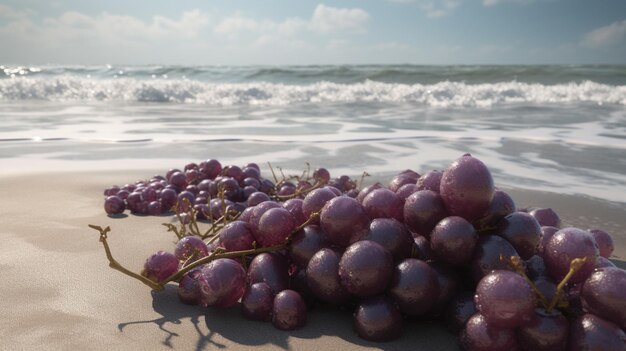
column 59, row 293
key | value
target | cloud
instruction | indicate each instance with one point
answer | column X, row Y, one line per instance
column 193, row 36
column 606, row 36
column 328, row 19
column 523, row 2
column 433, row 8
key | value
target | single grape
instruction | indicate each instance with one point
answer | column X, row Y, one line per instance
column 422, row 211
column 430, row 180
column 402, row 179
column 392, row 235
column 546, row 217
column 190, row 246
column 378, row 318
column 236, row 236
column 535, row 267
column 590, row 332
column 406, row 190
column 459, row 310
column 522, row 231
column 546, row 235
column 546, row 331
column 467, row 188
column 315, row 200
column 269, row 268
column 160, row 266
column 487, row 255
column 226, row 282
column 257, row 197
column 566, row 245
column 365, row 268
column 258, row 211
column 114, row 205
column 305, row 243
column 322, row 274
column 257, row 302
column 368, row 189
column 275, row 227
column 505, row 299
column 294, row 206
column 604, row 241
column 453, row 240
column 604, row 294
column 190, row 286
column 178, row 180
column 501, row 206
column 321, row 175
column 414, row 287
column 344, row 221
column 480, row 334
column 421, row 248
column 289, row 310
column 383, row 203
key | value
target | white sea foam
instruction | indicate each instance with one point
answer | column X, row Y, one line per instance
column 443, row 94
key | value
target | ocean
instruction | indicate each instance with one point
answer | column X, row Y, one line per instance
column 555, row 128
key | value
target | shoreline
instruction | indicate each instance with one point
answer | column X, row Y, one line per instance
column 59, row 292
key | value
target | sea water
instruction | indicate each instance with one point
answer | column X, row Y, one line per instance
column 552, row 128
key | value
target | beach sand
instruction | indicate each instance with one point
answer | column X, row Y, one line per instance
column 59, row 293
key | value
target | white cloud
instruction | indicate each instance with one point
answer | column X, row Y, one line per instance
column 605, row 36
column 328, row 19
column 432, row 8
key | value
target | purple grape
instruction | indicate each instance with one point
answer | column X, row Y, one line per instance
column 430, row 181
column 566, row 245
column 160, row 266
column 546, row 235
column 155, row 208
column 546, row 286
column 190, row 286
column 305, row 243
column 111, row 191
column 114, row 205
column 414, row 287
column 236, row 236
column 289, row 310
column 453, row 240
column 546, row 331
column 535, row 267
column 257, row 197
column 269, row 268
column 294, row 206
column 392, row 235
column 321, row 175
column 449, row 283
column 344, row 221
column 467, row 188
column 487, row 255
column 546, row 217
column 421, row 248
column 185, row 200
column 168, row 199
column 258, row 211
column 275, row 227
column 590, row 332
column 368, row 189
column 402, row 179
column 604, row 262
column 604, row 294
column 406, row 190
column 257, row 302
column 501, row 206
column 604, row 241
column 190, row 246
column 522, row 231
column 315, row 200
column 378, row 318
column 505, row 299
column 322, row 274
column 251, row 172
column 383, row 203
column 178, row 180
column 459, row 310
column 422, row 211
column 365, row 268
column 233, row 172
column 211, row 168
column 226, row 282
column 482, row 335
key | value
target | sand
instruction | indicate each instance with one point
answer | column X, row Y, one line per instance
column 59, row 293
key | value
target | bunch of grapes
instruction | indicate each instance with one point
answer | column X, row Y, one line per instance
column 445, row 245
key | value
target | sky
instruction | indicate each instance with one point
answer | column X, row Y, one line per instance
column 302, row 32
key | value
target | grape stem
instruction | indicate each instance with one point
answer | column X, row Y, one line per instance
column 574, row 267
column 218, row 253
column 115, row 265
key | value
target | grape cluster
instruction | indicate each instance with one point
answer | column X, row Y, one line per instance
column 445, row 245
